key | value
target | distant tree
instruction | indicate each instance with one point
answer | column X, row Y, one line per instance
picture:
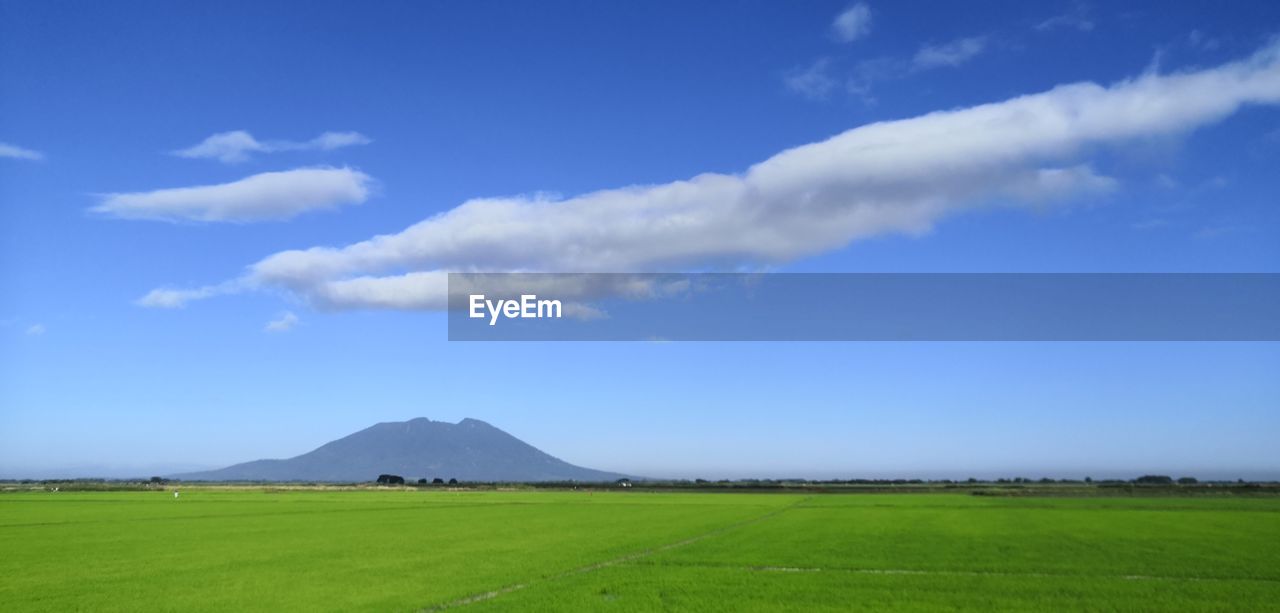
column 437, row 481
column 1088, row 479
column 453, row 481
column 385, row 479
column 699, row 481
column 422, row 481
column 1154, row 480
column 1187, row 481
column 972, row 480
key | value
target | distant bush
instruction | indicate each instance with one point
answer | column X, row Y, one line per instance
column 390, row 480
column 1154, row 480
column 1187, row 481
column 453, row 482
column 437, row 481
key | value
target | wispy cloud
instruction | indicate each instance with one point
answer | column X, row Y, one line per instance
column 1202, row 42
column 1150, row 224
column 170, row 298
column 817, row 81
column 584, row 312
column 884, row 178
column 853, row 23
column 16, row 152
column 1078, row 18
column 953, row 53
column 862, row 79
column 284, row 323
column 35, row 330
column 237, row 146
column 266, row 196
column 1220, row 230
column 813, row 81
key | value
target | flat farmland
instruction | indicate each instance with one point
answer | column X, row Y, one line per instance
column 412, row 550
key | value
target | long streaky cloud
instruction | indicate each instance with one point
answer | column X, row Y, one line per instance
column 260, row 197
column 171, row 298
column 238, row 145
column 890, row 177
column 19, row 153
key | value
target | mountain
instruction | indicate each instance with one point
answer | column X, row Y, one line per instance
column 470, row 450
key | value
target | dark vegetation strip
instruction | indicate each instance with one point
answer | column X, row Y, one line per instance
column 1050, row 507
column 960, row 573
column 269, row 514
column 400, row 506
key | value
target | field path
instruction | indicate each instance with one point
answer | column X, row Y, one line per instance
column 481, row 597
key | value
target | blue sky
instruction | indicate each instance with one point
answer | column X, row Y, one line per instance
column 145, row 328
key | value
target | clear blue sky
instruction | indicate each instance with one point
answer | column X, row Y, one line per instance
column 144, row 329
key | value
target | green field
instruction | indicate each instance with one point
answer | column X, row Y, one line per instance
column 408, row 550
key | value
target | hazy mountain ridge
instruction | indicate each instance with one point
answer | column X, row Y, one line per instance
column 470, row 450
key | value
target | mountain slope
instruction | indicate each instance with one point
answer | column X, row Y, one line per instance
column 470, row 450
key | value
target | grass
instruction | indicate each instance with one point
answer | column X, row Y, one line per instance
column 409, row 550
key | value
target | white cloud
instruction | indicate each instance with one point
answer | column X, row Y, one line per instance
column 953, row 53
column 415, row 290
column 16, row 152
column 35, row 330
column 236, row 146
column 284, row 323
column 266, row 196
column 229, row 147
column 812, row 82
column 335, row 140
column 853, row 23
column 890, row 177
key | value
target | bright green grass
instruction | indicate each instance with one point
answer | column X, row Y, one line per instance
column 409, row 550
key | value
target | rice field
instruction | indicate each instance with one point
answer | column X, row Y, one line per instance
column 414, row 550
